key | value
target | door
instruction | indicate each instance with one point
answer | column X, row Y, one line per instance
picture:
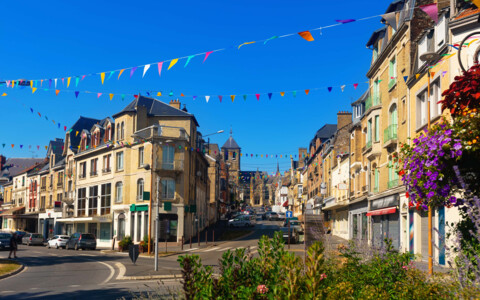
column 394, row 229
column 354, row 226
column 364, row 227
column 441, row 235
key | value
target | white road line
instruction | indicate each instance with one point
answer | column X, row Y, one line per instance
column 112, row 270
column 5, row 292
column 74, row 285
column 191, row 249
column 121, row 270
column 87, row 255
column 225, row 249
column 253, row 247
column 212, row 249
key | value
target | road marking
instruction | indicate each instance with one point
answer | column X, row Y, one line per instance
column 34, row 288
column 225, row 249
column 4, row 292
column 87, row 255
column 112, row 270
column 191, row 249
column 74, row 285
column 208, row 250
column 253, row 247
column 121, row 270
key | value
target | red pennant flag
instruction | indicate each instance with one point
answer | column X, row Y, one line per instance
column 306, row 35
column 39, row 115
column 355, row 85
column 38, row 147
column 65, row 128
column 307, row 91
column 13, row 145
column 220, row 98
column 258, row 97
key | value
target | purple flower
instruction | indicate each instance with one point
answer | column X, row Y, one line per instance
column 430, row 194
column 457, row 146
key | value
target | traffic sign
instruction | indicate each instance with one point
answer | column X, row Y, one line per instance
column 289, row 214
column 133, row 252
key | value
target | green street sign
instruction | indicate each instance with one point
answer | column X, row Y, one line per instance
column 146, row 195
column 132, row 207
column 167, row 206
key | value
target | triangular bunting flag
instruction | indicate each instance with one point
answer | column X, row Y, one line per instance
column 31, row 109
column 329, row 89
column 207, row 98
column 55, row 82
column 258, row 97
column 282, row 94
column 132, row 71
column 445, row 72
column 405, row 78
column 294, row 94
column 188, row 60
column 68, row 81
column 355, row 85
column 13, row 145
column 111, row 96
column 431, row 10
column 269, row 96
column 194, row 97
column 307, row 91
column 76, row 94
column 123, row 97
column 342, row 87
column 417, row 75
column 145, row 69
column 98, row 95
column 102, row 76
column 160, row 64
column 345, row 21
column 77, row 79
column 207, row 55
column 391, row 19
column 159, row 94
column 56, row 92
column 248, row 43
column 120, row 73
column 432, row 74
column 34, row 90
column 244, row 97
column 182, row 95
column 110, row 76
column 172, row 63
column 220, row 98
column 306, row 35
column 233, row 97
column 269, row 39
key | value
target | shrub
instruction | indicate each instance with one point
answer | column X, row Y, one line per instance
column 125, row 242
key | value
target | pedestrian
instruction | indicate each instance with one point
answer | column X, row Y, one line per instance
column 13, row 246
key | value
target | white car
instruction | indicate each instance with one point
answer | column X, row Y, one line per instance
column 240, row 221
column 58, row 241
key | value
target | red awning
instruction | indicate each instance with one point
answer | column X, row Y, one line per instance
column 285, row 204
column 383, row 211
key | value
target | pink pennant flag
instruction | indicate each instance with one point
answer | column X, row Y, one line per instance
column 98, row 95
column 258, row 97
column 431, row 10
column 83, row 77
column 207, row 55
column 220, row 98
column 160, row 64
column 355, row 85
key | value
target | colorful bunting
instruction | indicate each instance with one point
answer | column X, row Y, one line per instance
column 431, row 10
column 307, row 91
column 445, row 72
column 160, row 64
column 207, row 55
column 417, row 75
column 98, row 95
column 34, row 90
column 233, row 97
column 269, row 39
column 282, row 94
column 188, row 60
column 306, row 35
column 220, row 98
column 269, row 96
column 68, row 81
column 329, row 89
column 77, row 79
column 405, row 78
column 76, row 94
column 342, row 87
column 145, row 69
column 132, row 71
column 244, row 97
column 119, row 73
column 345, row 21
column 258, row 97
column 111, row 96
column 207, row 98
column 248, row 43
column 355, row 85
column 172, row 63
column 56, row 92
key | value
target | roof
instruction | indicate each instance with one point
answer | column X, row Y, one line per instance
column 362, row 98
column 214, row 149
column 375, row 35
column 155, row 108
column 15, row 166
column 82, row 123
column 230, row 144
column 467, row 12
column 56, row 146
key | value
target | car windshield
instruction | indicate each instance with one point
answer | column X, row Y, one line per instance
column 273, row 213
column 294, row 223
column 87, row 236
column 5, row 235
column 64, row 237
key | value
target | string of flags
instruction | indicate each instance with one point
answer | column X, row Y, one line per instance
column 430, row 9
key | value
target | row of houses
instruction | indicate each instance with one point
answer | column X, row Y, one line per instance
column 350, row 175
column 107, row 176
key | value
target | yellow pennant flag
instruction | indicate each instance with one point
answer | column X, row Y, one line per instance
column 159, row 94
column 46, row 147
column 68, row 81
column 33, row 90
column 417, row 75
column 76, row 133
column 282, row 94
column 476, row 2
column 56, row 92
column 102, row 75
column 120, row 73
column 172, row 63
column 245, row 44
column 111, row 96
column 233, row 97
column 4, row 94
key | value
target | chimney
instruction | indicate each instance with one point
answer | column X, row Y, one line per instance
column 2, row 161
column 175, row 103
column 343, row 119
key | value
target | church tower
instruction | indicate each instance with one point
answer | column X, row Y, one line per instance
column 231, row 155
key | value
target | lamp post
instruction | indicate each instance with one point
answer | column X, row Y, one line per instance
column 208, row 143
column 429, row 58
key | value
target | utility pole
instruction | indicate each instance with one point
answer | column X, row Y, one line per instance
column 156, row 226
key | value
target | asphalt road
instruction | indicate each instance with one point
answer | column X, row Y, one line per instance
column 68, row 274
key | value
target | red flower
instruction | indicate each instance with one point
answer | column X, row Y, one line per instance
column 401, row 173
column 407, row 195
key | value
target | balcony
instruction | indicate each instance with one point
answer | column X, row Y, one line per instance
column 392, row 83
column 69, row 172
column 375, row 189
column 390, row 136
column 372, row 101
column 60, row 184
column 392, row 183
column 176, row 167
column 82, row 176
column 93, row 173
column 106, row 170
column 368, row 103
column 367, row 147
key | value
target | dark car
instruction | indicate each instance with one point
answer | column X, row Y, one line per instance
column 5, row 240
column 81, row 241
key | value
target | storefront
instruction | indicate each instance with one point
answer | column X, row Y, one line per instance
column 358, row 220
column 385, row 221
column 101, row 227
column 47, row 222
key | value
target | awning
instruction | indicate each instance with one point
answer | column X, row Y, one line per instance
column 103, row 219
column 11, row 211
column 383, row 211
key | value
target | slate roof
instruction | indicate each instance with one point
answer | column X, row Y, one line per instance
column 155, row 108
column 230, row 144
column 324, row 133
column 15, row 166
column 82, row 123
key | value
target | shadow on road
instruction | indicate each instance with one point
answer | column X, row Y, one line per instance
column 103, row 293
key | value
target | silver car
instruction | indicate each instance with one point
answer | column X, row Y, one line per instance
column 33, row 239
column 58, row 241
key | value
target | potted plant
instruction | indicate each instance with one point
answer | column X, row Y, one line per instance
column 125, row 243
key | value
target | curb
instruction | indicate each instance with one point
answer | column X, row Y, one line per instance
column 22, row 267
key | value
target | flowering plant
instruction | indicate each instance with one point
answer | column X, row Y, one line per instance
column 426, row 167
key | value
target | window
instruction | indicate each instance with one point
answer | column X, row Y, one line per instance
column 23, row 180
column 50, row 202
column 119, row 192
column 421, row 109
column 108, row 133
column 106, row 163
column 60, row 179
column 375, row 53
column 435, row 107
column 376, row 178
column 140, row 189
column 377, row 128
column 51, row 180
column 120, row 161
column 168, row 188
column 168, row 156
column 82, row 198
column 422, row 48
column 59, row 197
column 404, row 109
column 140, row 156
column 122, row 129
column 440, row 32
column 93, row 201
column 435, row 96
column 392, row 72
column 83, row 170
column 105, row 199
column 118, row 131
column 393, row 115
column 42, row 203
column 93, row 167
column 376, row 92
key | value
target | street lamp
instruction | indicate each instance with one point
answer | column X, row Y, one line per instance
column 430, row 58
column 208, row 143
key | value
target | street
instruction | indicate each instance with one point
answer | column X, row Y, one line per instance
column 58, row 273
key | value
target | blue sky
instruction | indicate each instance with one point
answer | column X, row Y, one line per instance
column 64, row 38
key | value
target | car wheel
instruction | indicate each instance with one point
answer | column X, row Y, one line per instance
column 48, row 245
column 56, row 246
column 76, row 247
column 28, row 244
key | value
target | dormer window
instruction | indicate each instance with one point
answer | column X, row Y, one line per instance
column 108, row 133
column 83, row 143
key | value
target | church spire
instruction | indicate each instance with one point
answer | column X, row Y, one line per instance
column 278, row 168
column 231, row 131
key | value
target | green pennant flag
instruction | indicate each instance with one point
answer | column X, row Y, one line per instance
column 245, row 97
column 294, row 94
column 123, row 97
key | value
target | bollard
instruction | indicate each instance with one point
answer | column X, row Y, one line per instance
column 206, row 237
column 182, row 242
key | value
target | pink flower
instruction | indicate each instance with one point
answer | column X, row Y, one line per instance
column 262, row 289
column 323, row 276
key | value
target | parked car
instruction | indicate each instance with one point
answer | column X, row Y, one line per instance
column 253, row 219
column 293, row 236
column 33, row 239
column 5, row 240
column 296, row 225
column 285, row 223
column 58, row 241
column 81, row 241
column 240, row 221
column 20, row 235
column 281, row 216
column 271, row 215
column 264, row 216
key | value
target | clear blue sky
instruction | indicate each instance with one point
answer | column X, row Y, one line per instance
column 63, row 38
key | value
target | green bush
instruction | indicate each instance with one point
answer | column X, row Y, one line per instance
column 125, row 242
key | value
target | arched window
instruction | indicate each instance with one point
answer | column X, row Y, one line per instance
column 140, row 186
column 123, row 131
column 119, row 192
column 118, row 131
column 393, row 115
